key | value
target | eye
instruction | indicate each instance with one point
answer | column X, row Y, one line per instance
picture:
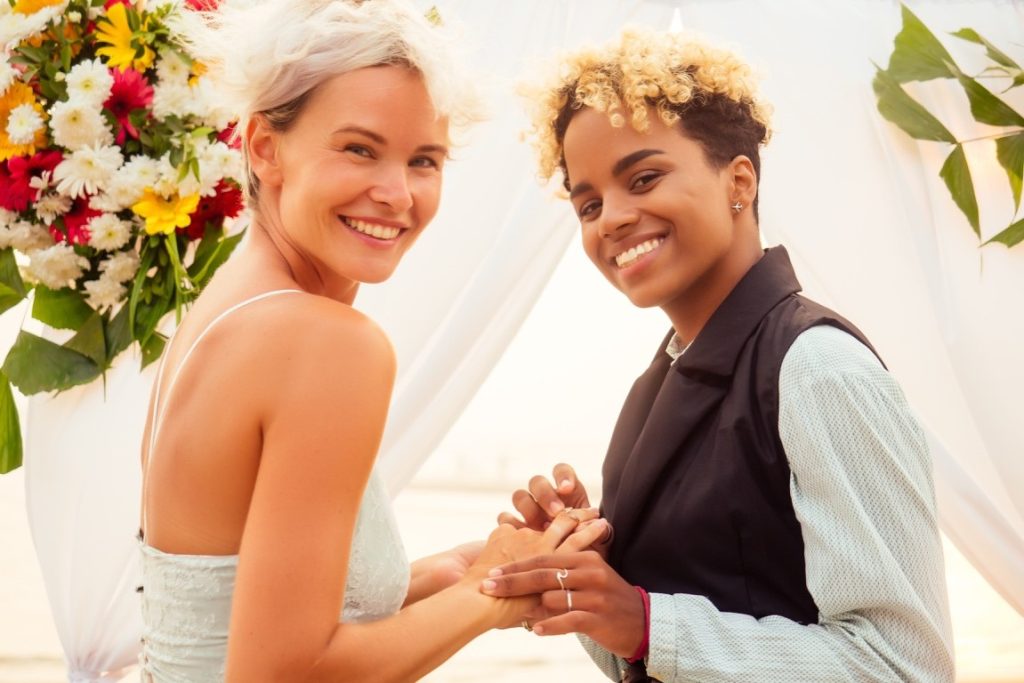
column 360, row 150
column 643, row 181
column 589, row 209
column 425, row 162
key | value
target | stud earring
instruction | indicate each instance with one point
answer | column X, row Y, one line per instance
column 737, row 207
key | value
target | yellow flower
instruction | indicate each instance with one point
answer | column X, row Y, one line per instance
column 164, row 215
column 33, row 6
column 198, row 69
column 15, row 96
column 114, row 32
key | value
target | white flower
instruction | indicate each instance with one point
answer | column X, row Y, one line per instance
column 77, row 124
column 108, row 232
column 171, row 69
column 172, row 99
column 140, row 172
column 55, row 266
column 89, row 82
column 7, row 74
column 167, row 182
column 24, row 236
column 16, row 27
column 74, row 17
column 51, row 205
column 104, row 293
column 121, row 266
column 23, row 123
column 87, row 170
column 40, row 183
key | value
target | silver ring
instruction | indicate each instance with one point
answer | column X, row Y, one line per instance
column 562, row 574
column 568, row 601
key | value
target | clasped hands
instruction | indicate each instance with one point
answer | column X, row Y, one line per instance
column 574, row 588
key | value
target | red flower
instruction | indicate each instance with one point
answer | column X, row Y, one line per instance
column 202, row 5
column 16, row 193
column 75, row 220
column 129, row 92
column 227, row 136
column 110, row 3
column 227, row 203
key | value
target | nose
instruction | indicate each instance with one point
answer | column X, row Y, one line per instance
column 616, row 214
column 391, row 188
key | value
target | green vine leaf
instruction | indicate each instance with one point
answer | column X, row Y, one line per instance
column 35, row 364
column 994, row 53
column 1011, row 235
column 90, row 342
column 957, row 175
column 900, row 108
column 12, row 289
column 118, row 334
column 63, row 309
column 1010, row 153
column 918, row 54
column 986, row 107
column 10, row 429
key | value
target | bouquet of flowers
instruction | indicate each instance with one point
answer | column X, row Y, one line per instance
column 118, row 175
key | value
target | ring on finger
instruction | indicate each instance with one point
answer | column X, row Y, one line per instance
column 560, row 575
column 568, row 600
column 526, row 625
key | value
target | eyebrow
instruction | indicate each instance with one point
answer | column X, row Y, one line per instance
column 381, row 140
column 620, row 166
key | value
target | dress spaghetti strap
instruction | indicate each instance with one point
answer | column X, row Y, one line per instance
column 154, row 418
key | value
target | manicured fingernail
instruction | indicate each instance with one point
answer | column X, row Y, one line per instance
column 489, row 585
column 494, row 572
column 565, row 484
column 539, row 630
column 555, row 507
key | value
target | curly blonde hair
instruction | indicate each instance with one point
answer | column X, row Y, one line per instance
column 709, row 91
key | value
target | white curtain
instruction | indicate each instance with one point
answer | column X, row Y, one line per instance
column 861, row 209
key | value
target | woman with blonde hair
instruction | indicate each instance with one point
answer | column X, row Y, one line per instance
column 769, row 488
column 269, row 548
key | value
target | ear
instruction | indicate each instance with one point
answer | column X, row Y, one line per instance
column 261, row 143
column 743, row 181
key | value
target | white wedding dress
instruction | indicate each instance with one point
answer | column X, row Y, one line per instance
column 186, row 599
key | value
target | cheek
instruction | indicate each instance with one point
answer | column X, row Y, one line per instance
column 427, row 197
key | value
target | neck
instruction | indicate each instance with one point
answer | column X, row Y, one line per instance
column 270, row 256
column 691, row 311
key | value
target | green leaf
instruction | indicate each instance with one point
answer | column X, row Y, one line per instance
column 211, row 254
column 1011, row 235
column 986, row 107
column 900, row 108
column 64, row 309
column 35, row 364
column 957, row 175
column 147, row 254
column 152, row 349
column 12, row 289
column 918, row 55
column 118, row 334
column 89, row 341
column 994, row 53
column 10, row 429
column 1010, row 153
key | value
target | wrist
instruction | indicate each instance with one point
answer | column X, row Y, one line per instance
column 645, row 643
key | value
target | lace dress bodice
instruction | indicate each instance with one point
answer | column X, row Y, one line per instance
column 186, row 599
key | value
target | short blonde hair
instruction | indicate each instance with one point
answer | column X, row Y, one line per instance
column 678, row 75
column 267, row 57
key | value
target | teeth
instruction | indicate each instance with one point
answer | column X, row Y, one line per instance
column 381, row 232
column 627, row 257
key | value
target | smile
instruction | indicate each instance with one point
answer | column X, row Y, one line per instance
column 376, row 230
column 629, row 257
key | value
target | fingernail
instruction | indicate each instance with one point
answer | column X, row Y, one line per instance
column 494, row 572
column 539, row 630
column 565, row 484
column 489, row 585
column 555, row 507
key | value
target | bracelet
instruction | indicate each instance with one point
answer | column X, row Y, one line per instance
column 641, row 651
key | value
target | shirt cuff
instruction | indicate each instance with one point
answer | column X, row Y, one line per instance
column 662, row 653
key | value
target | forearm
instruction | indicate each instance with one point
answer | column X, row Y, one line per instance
column 426, row 634
column 424, row 580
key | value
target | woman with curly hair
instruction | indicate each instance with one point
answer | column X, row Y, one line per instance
column 769, row 489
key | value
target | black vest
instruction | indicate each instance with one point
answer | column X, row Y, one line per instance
column 696, row 482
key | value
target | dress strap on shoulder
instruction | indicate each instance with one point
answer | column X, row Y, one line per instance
column 154, row 418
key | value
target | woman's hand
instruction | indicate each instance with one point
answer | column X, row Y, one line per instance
column 579, row 593
column 545, row 499
column 436, row 572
